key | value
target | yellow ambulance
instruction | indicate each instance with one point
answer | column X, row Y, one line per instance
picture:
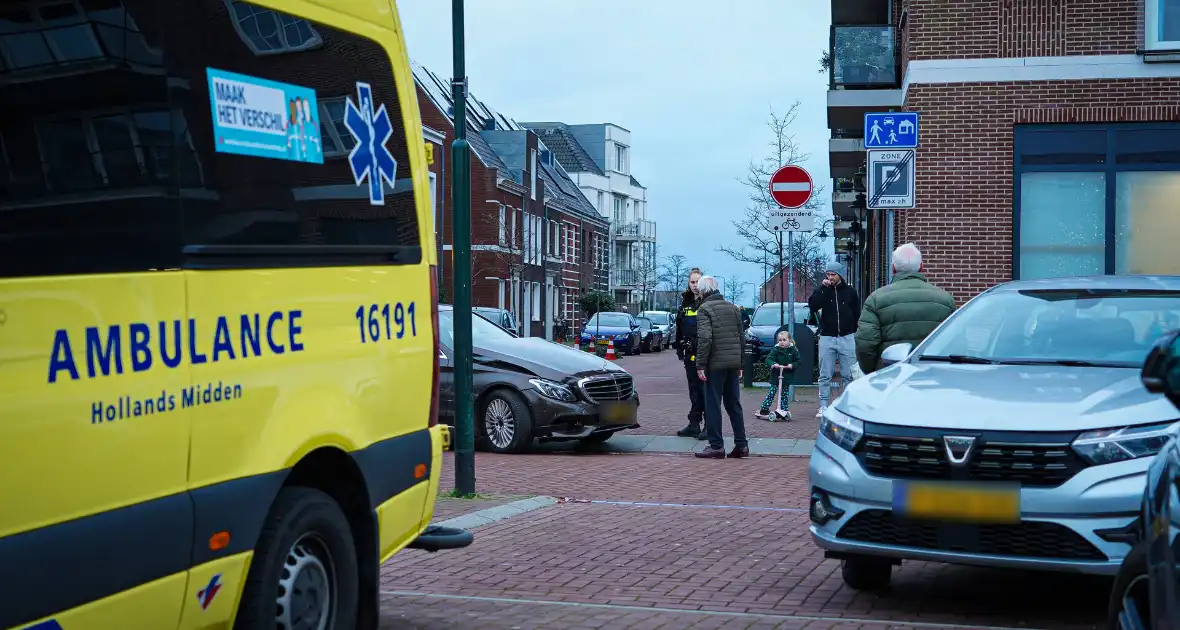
column 218, row 314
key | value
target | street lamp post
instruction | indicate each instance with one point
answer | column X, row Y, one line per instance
column 461, row 254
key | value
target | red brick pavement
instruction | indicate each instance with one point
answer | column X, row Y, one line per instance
column 663, row 392
column 698, row 557
column 436, row 613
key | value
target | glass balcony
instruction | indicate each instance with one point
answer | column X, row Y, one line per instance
column 643, row 230
column 864, row 57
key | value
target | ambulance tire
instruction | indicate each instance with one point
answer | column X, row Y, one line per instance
column 305, row 547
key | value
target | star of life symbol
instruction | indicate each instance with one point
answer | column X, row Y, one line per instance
column 370, row 159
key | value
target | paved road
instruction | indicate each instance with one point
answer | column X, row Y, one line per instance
column 670, row 541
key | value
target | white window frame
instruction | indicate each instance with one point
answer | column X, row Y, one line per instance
column 621, row 158
column 503, row 240
column 512, row 227
column 1153, row 14
column 536, row 291
column 315, row 42
column 533, row 174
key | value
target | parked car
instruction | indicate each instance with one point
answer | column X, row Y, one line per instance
column 766, row 322
column 603, row 327
column 530, row 389
column 501, row 317
column 651, row 339
column 1016, row 435
column 666, row 322
column 1146, row 593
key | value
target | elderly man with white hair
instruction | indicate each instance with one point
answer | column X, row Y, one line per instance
column 719, row 365
column 904, row 311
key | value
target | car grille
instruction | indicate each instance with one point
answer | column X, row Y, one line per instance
column 1035, row 460
column 1028, row 539
column 605, row 388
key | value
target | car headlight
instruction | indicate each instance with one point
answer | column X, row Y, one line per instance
column 1107, row 446
column 622, row 336
column 551, row 389
column 841, row 428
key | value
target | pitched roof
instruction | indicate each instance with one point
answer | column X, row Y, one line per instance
column 499, row 142
column 565, row 147
column 635, row 182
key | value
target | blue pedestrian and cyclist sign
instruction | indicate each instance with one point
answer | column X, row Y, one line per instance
column 370, row 159
column 891, row 130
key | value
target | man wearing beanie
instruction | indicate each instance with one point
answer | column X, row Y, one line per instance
column 838, row 307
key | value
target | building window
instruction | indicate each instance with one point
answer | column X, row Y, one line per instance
column 533, row 174
column 115, row 150
column 621, row 158
column 338, row 141
column 601, row 203
column 1097, row 199
column 49, row 33
column 536, row 293
column 1162, row 24
column 503, row 240
column 268, row 32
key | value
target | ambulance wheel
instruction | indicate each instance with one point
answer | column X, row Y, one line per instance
column 304, row 573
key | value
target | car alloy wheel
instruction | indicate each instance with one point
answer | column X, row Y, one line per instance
column 307, row 586
column 499, row 423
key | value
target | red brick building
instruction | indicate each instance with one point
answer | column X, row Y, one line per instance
column 1049, row 138
column 533, row 231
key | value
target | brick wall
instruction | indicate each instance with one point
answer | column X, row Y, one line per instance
column 938, row 29
column 963, row 220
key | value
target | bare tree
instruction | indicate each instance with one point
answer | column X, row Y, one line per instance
column 674, row 272
column 735, row 289
column 760, row 244
column 647, row 272
column 513, row 242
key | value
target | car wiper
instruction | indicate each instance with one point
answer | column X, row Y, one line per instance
column 1065, row 362
column 957, row 358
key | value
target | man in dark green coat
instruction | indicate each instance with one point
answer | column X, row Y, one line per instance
column 904, row 311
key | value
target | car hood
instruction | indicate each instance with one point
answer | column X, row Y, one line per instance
column 545, row 359
column 606, row 330
column 1004, row 397
column 765, row 334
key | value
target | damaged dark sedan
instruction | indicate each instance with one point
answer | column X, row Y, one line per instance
column 529, row 389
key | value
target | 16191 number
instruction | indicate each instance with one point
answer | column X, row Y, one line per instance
column 386, row 321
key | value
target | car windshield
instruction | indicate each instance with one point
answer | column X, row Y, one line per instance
column 1100, row 327
column 609, row 319
column 658, row 318
column 644, row 323
column 768, row 315
column 481, row 330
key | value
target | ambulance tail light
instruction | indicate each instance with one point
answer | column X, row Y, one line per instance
column 437, row 344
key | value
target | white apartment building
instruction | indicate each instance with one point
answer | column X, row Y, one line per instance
column 598, row 159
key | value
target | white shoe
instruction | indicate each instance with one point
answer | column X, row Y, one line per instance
column 820, row 412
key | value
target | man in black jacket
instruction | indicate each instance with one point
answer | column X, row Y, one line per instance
column 838, row 306
column 686, row 350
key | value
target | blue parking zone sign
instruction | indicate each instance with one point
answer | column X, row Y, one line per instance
column 263, row 118
column 891, row 130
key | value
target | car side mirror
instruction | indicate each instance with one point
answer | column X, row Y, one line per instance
column 896, row 353
column 1161, row 369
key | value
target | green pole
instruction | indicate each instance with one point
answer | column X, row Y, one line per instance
column 461, row 251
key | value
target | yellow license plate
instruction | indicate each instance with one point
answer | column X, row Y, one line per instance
column 964, row 503
column 617, row 413
column 603, row 342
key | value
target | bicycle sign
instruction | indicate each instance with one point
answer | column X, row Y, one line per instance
column 791, row 221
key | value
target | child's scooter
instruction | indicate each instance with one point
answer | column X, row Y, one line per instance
column 779, row 414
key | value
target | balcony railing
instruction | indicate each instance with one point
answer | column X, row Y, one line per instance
column 864, row 57
column 626, row 277
column 641, row 229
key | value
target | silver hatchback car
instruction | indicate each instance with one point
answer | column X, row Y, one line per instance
column 1018, row 434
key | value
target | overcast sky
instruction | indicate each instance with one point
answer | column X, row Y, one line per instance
column 693, row 82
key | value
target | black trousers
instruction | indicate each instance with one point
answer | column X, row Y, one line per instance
column 724, row 387
column 696, row 393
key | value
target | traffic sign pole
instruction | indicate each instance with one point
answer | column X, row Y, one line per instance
column 461, row 236
column 791, row 187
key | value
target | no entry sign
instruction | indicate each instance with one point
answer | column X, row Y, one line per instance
column 791, row 186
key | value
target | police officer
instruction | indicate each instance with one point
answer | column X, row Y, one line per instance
column 686, row 349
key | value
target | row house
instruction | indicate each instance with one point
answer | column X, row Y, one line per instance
column 598, row 158
column 537, row 243
column 1049, row 135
